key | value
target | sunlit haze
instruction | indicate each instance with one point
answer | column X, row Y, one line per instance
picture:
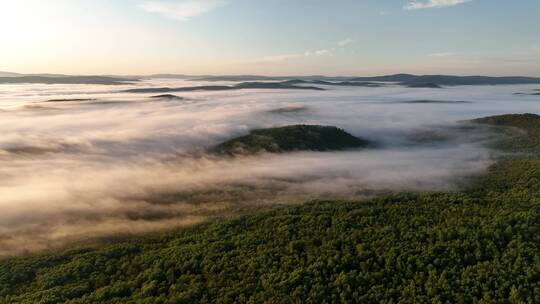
column 270, row 37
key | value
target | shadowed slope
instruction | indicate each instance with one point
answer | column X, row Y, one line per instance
column 291, row 138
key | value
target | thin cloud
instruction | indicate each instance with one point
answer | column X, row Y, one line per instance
column 285, row 57
column 345, row 42
column 414, row 5
column 272, row 59
column 182, row 11
column 309, row 53
column 322, row 52
column 442, row 54
column 330, row 51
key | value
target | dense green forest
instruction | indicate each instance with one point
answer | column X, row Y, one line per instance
column 291, row 138
column 478, row 245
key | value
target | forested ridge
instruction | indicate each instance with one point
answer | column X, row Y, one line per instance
column 481, row 244
column 291, row 138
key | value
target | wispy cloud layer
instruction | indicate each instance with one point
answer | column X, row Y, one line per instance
column 414, row 5
column 319, row 52
column 183, row 10
column 309, row 53
column 345, row 42
column 442, row 54
column 329, row 52
column 272, row 58
column 75, row 171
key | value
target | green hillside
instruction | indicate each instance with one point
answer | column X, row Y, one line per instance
column 291, row 138
column 480, row 245
column 522, row 131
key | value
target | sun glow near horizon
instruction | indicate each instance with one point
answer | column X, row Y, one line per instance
column 255, row 37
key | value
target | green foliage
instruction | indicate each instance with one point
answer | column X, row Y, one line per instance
column 291, row 138
column 522, row 131
column 481, row 245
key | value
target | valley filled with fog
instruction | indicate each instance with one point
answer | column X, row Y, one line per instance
column 80, row 163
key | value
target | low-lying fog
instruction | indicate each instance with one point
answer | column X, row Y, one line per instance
column 111, row 164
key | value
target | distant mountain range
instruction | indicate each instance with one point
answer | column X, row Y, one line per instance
column 409, row 80
column 242, row 85
column 404, row 79
column 450, row 80
column 62, row 79
column 268, row 78
column 8, row 74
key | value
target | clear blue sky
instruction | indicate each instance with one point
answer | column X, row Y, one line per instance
column 341, row 37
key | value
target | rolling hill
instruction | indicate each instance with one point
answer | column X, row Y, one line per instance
column 291, row 138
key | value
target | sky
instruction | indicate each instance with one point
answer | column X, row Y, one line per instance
column 270, row 37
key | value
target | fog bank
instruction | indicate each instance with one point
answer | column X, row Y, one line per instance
column 101, row 164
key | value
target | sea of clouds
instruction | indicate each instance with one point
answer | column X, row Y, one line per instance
column 122, row 164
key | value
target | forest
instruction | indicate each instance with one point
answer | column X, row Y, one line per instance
column 480, row 244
